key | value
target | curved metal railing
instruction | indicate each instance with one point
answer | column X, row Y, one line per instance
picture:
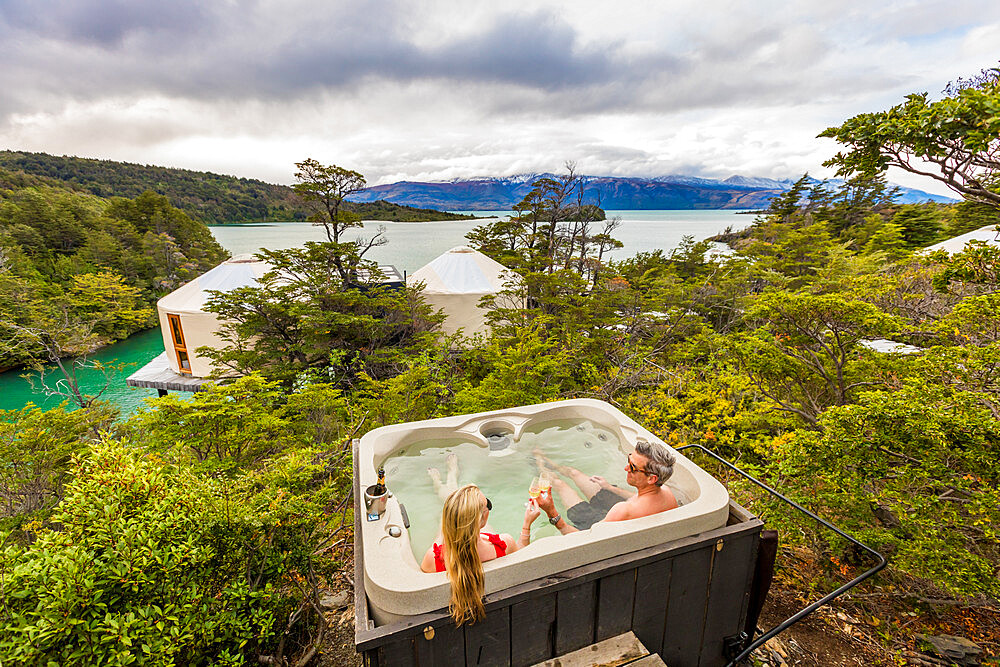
column 802, row 613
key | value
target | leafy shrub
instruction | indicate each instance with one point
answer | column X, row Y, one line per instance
column 36, row 451
column 149, row 564
column 912, row 473
column 240, row 424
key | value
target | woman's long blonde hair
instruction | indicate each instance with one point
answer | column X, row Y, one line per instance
column 461, row 520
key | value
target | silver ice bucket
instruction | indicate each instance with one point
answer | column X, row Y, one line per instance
column 375, row 504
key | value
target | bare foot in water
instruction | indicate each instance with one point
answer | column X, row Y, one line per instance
column 543, row 462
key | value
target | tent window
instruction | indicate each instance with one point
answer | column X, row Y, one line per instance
column 180, row 348
column 175, row 330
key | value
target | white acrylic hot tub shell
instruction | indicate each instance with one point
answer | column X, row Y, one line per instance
column 394, row 583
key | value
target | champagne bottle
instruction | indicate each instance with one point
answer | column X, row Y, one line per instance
column 379, row 487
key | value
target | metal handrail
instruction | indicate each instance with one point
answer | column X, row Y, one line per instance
column 802, row 613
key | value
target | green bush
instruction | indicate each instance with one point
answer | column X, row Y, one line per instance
column 145, row 563
column 913, row 474
column 36, row 451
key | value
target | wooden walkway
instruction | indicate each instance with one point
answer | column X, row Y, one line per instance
column 157, row 374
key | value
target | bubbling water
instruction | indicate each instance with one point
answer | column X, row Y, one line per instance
column 581, row 444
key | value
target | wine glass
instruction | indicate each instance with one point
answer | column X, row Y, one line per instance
column 544, row 483
column 535, row 488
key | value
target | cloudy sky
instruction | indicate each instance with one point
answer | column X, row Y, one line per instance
column 427, row 90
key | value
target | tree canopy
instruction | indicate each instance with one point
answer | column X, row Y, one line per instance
column 954, row 140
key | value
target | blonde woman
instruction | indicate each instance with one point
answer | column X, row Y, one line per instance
column 464, row 544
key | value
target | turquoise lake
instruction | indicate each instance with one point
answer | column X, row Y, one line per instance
column 411, row 245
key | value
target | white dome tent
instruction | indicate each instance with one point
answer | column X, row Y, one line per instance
column 187, row 326
column 988, row 235
column 456, row 281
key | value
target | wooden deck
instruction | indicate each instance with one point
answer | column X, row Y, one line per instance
column 157, row 374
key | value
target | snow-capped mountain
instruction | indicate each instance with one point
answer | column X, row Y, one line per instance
column 675, row 191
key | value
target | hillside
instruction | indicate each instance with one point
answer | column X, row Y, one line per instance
column 78, row 271
column 211, row 198
column 664, row 193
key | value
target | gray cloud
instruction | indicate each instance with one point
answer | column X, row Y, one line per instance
column 236, row 53
column 486, row 87
column 105, row 23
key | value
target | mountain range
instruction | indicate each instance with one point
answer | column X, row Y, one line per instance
column 675, row 192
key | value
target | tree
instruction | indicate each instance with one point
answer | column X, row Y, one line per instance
column 803, row 350
column 152, row 213
column 300, row 318
column 887, row 239
column 978, row 264
column 970, row 216
column 36, row 451
column 920, row 224
column 789, row 253
column 954, row 140
column 552, row 231
column 43, row 326
column 856, row 199
column 325, row 188
column 911, row 473
column 151, row 563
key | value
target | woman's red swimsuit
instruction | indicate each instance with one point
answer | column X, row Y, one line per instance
column 494, row 539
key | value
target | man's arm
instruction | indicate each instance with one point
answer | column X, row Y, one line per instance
column 547, row 505
column 564, row 527
column 605, row 484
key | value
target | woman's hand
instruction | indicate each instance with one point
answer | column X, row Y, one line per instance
column 531, row 512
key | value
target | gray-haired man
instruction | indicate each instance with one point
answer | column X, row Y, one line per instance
column 647, row 468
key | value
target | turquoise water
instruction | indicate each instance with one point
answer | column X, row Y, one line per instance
column 137, row 350
column 411, row 246
column 503, row 476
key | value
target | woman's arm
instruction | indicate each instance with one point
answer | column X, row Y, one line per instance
column 427, row 564
column 531, row 512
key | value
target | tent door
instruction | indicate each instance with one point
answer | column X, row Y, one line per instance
column 180, row 348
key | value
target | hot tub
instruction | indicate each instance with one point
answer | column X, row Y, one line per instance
column 397, row 588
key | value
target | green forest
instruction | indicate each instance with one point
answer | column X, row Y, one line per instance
column 211, row 198
column 205, row 528
column 79, row 271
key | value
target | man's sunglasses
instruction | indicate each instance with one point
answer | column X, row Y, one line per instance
column 631, row 466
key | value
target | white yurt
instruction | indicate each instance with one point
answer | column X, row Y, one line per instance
column 187, row 326
column 456, row 281
column 988, row 235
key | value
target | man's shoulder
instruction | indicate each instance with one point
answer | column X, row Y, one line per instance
column 637, row 507
column 668, row 498
column 619, row 512
column 653, row 505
